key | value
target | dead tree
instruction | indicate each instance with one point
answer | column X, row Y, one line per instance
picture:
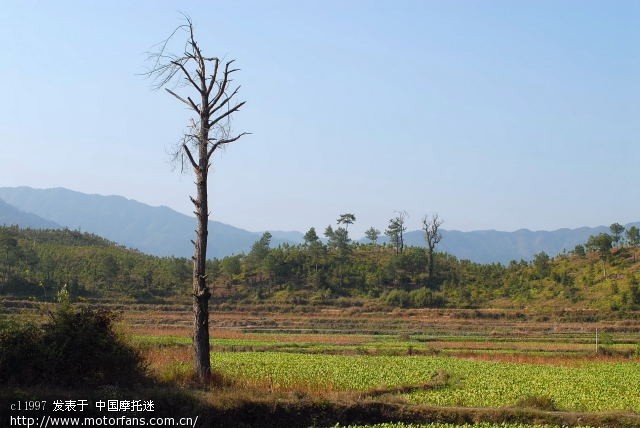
column 432, row 236
column 209, row 81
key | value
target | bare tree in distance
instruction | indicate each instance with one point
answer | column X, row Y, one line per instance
column 432, row 236
column 212, row 104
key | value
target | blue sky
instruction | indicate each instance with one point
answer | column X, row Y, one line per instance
column 494, row 114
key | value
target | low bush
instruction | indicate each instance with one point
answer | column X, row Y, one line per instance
column 399, row 298
column 21, row 359
column 74, row 347
column 537, row 402
column 419, row 298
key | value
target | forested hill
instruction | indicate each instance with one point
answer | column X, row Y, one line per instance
column 38, row 263
column 601, row 275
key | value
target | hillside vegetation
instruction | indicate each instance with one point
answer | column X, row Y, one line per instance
column 38, row 263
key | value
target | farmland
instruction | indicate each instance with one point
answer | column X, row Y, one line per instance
column 442, row 381
column 502, row 362
column 355, row 365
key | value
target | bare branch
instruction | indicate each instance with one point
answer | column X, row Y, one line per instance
column 162, row 70
column 190, row 156
column 222, row 86
column 177, row 96
column 227, row 113
column 224, row 102
column 193, row 105
column 187, row 75
column 220, row 143
column 190, row 102
column 214, row 76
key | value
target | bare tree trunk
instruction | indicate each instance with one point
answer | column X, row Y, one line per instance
column 201, row 294
column 432, row 237
column 430, row 266
column 211, row 129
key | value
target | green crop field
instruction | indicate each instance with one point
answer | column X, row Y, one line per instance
column 591, row 387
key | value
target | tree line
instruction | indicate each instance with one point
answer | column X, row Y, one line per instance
column 408, row 276
column 39, row 263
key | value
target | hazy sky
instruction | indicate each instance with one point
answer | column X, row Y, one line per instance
column 494, row 114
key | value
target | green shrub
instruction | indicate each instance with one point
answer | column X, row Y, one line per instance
column 21, row 359
column 424, row 298
column 82, row 347
column 398, row 298
column 419, row 298
column 75, row 347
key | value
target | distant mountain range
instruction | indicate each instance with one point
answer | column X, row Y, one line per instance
column 10, row 215
column 159, row 231
column 164, row 232
column 488, row 246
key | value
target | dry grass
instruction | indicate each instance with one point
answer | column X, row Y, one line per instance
column 550, row 360
column 170, row 364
